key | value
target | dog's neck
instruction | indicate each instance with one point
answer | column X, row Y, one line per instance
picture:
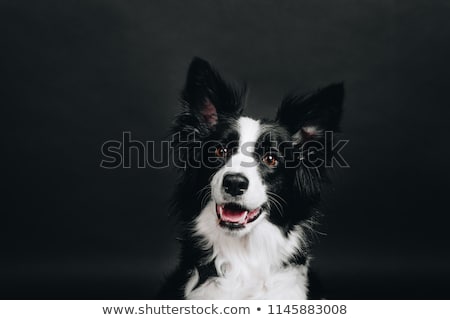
column 260, row 264
column 264, row 248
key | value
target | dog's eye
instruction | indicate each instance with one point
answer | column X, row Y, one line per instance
column 270, row 160
column 222, row 152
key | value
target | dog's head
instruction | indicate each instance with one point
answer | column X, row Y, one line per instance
column 248, row 170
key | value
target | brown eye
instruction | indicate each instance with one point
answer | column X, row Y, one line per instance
column 270, row 160
column 221, row 152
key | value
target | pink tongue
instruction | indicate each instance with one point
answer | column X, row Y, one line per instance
column 232, row 215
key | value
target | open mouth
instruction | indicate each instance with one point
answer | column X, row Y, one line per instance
column 234, row 216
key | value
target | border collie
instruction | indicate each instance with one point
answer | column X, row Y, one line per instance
column 249, row 190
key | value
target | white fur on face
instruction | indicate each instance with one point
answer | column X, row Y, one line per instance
column 242, row 162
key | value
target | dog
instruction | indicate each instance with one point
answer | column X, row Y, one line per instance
column 249, row 191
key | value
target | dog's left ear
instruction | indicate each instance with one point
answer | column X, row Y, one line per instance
column 207, row 96
column 308, row 116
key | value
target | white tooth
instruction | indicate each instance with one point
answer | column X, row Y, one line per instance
column 220, row 210
column 244, row 217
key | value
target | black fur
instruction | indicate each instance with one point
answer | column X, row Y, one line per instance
column 210, row 109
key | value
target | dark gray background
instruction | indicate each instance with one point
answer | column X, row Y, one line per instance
column 77, row 73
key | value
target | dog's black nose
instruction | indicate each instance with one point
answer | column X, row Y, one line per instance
column 235, row 184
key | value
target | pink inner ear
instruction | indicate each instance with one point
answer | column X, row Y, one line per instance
column 209, row 113
column 310, row 131
column 306, row 133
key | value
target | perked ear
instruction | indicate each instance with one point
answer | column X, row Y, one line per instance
column 308, row 116
column 207, row 96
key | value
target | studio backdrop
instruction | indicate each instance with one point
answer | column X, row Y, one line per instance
column 76, row 74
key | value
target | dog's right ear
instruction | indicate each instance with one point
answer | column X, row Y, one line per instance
column 207, row 97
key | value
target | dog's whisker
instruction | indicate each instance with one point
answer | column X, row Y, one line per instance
column 274, row 197
column 279, row 207
column 205, row 199
column 276, row 204
column 203, row 189
column 277, row 196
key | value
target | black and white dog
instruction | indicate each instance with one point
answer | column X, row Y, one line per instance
column 249, row 190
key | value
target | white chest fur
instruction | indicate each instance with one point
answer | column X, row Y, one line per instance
column 250, row 266
column 289, row 283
